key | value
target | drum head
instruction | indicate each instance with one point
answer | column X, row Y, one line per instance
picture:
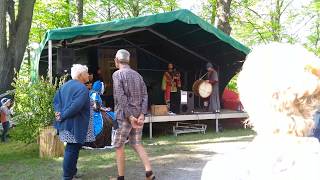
column 205, row 89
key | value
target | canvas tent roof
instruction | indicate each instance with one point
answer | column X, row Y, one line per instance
column 178, row 36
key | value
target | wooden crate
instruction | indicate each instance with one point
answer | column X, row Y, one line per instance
column 159, row 110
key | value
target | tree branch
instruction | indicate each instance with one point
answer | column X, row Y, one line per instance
column 256, row 29
column 255, row 12
column 318, row 36
column 285, row 8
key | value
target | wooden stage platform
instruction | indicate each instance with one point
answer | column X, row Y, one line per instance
column 224, row 114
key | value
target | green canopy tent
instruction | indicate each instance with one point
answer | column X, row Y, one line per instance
column 179, row 37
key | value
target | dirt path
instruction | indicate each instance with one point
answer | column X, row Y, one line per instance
column 181, row 164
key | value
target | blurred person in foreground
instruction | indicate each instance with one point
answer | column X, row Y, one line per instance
column 131, row 103
column 279, row 87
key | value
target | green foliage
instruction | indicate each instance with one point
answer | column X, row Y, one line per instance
column 313, row 39
column 62, row 13
column 232, row 85
column 33, row 107
column 46, row 16
column 209, row 10
column 255, row 21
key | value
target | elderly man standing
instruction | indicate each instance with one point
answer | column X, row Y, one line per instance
column 72, row 110
column 131, row 101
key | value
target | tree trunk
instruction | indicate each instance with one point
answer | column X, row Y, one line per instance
column 3, row 32
column 213, row 4
column 12, row 22
column 223, row 16
column 109, row 10
column 134, row 6
column 12, row 53
column 3, row 45
column 68, row 2
column 80, row 12
column 275, row 21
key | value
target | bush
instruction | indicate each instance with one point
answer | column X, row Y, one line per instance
column 33, row 108
column 232, row 85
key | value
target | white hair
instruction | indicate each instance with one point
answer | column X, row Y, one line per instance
column 279, row 87
column 77, row 69
column 123, row 55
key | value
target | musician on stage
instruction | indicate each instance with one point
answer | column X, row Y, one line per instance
column 212, row 103
column 171, row 82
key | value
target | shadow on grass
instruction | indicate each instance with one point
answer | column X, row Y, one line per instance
column 162, row 157
column 21, row 161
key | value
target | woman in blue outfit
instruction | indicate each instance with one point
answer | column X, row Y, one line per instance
column 99, row 124
column 96, row 91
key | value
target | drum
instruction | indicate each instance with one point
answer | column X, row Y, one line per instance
column 202, row 88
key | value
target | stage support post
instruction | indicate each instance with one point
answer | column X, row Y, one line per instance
column 50, row 60
column 217, row 122
column 150, row 127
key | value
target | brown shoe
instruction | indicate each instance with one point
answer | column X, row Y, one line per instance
column 151, row 177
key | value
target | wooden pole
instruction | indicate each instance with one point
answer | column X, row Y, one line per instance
column 50, row 60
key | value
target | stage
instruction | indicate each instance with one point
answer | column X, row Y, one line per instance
column 224, row 114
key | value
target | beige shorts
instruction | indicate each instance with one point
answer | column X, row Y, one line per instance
column 126, row 131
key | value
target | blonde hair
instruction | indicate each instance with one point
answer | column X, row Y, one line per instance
column 280, row 89
column 77, row 69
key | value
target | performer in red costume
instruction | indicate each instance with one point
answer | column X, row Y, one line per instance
column 171, row 82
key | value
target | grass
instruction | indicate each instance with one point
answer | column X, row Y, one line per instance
column 21, row 161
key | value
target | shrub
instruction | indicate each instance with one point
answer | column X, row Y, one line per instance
column 33, row 108
column 232, row 85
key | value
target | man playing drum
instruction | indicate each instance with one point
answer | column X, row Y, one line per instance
column 212, row 103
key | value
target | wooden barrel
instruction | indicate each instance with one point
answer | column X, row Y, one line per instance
column 202, row 88
column 50, row 144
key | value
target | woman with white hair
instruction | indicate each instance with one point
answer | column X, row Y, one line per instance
column 279, row 87
column 72, row 110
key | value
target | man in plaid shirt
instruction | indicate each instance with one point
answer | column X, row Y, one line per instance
column 131, row 101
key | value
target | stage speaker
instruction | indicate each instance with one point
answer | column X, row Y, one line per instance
column 182, row 102
column 65, row 59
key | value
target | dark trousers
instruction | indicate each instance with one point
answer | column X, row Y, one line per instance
column 6, row 126
column 71, row 155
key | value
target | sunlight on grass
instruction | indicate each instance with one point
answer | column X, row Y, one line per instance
column 222, row 139
column 202, row 138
